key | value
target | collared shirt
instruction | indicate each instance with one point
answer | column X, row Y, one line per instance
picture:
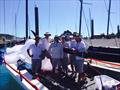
column 46, row 43
column 36, row 50
column 56, row 50
column 72, row 43
column 80, row 47
column 65, row 45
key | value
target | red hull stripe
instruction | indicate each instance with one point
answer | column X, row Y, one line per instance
column 23, row 77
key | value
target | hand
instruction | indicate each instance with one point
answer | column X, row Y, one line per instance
column 40, row 56
column 73, row 49
column 67, row 47
column 31, row 55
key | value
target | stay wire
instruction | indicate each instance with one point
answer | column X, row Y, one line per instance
column 16, row 16
column 110, row 23
column 87, row 27
column 4, row 17
column 49, row 15
column 18, row 8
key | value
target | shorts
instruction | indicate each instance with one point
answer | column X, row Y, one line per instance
column 79, row 64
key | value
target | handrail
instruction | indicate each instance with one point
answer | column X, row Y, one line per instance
column 22, row 76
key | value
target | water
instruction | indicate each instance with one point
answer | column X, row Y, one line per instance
column 7, row 82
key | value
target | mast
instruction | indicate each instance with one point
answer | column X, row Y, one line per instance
column 108, row 18
column 26, row 19
column 36, row 21
column 80, row 16
column 118, row 31
column 92, row 29
column 16, row 26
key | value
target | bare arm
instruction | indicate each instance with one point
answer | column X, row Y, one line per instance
column 28, row 51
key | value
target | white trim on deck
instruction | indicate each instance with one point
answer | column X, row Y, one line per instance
column 24, row 83
column 104, row 67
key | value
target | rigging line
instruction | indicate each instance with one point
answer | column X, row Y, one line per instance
column 119, row 19
column 111, row 26
column 49, row 15
column 110, row 23
column 29, row 29
column 4, row 18
column 110, row 19
column 119, row 10
column 17, row 11
column 113, row 31
column 105, row 5
column 90, row 22
column 16, row 15
column 87, row 27
column 15, row 26
column 56, row 24
column 107, row 10
column 80, row 22
column 76, row 18
column 29, row 26
column 56, row 29
column 116, row 12
column 0, row 17
column 90, row 14
column 35, row 2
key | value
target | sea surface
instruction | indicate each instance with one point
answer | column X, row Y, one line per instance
column 7, row 82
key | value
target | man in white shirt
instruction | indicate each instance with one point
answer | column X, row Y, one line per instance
column 72, row 56
column 65, row 55
column 46, row 40
column 56, row 52
column 35, row 51
column 79, row 60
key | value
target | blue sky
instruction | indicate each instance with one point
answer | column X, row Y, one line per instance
column 62, row 15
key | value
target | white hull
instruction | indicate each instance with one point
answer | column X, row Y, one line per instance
column 25, row 84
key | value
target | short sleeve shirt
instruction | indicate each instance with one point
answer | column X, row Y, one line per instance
column 81, row 47
column 36, row 50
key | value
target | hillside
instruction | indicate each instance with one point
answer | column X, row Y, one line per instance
column 8, row 38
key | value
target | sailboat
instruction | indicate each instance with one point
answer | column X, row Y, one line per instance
column 106, row 58
column 18, row 63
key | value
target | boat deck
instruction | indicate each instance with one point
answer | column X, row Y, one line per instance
column 62, row 81
column 58, row 81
